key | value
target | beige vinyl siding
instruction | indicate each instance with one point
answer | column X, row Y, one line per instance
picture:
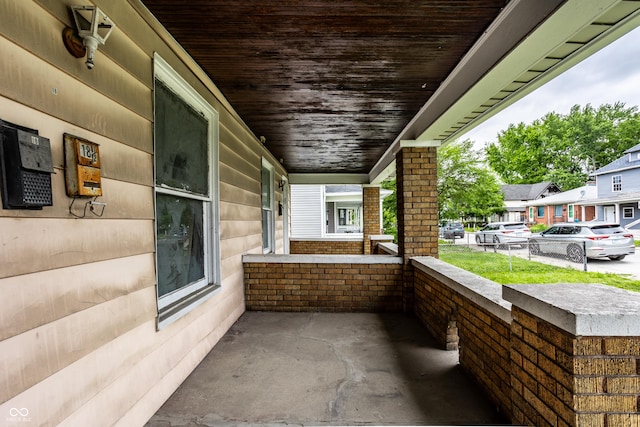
column 77, row 296
column 306, row 211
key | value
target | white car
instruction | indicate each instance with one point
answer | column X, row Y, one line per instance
column 503, row 233
column 600, row 239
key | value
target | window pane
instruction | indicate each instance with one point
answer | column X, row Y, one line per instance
column 180, row 242
column 266, row 188
column 181, row 143
column 267, row 220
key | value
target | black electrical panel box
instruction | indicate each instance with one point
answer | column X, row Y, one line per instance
column 26, row 166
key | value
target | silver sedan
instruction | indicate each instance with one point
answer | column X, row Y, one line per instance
column 598, row 239
column 503, row 233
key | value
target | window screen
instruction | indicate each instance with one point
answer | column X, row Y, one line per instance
column 185, row 159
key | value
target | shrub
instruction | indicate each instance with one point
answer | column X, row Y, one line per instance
column 537, row 228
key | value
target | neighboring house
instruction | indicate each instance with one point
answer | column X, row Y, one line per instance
column 618, row 184
column 323, row 210
column 567, row 206
column 516, row 197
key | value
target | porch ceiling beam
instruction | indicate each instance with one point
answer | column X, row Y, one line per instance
column 328, row 178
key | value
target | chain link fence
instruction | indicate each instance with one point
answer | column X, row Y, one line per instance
column 559, row 253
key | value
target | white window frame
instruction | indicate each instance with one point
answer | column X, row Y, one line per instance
column 271, row 224
column 557, row 208
column 179, row 302
column 616, row 181
column 628, row 209
column 346, row 207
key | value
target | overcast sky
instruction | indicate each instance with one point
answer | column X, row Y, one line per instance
column 606, row 77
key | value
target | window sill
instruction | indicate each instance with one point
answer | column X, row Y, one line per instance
column 179, row 308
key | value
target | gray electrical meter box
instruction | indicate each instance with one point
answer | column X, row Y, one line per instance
column 26, row 166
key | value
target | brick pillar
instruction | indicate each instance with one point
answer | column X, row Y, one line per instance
column 575, row 355
column 417, row 195
column 371, row 214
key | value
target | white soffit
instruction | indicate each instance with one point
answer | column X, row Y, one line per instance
column 577, row 30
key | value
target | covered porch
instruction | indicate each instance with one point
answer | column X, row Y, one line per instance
column 328, row 347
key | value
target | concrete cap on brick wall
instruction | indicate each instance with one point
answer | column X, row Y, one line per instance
column 580, row 309
column 322, row 259
column 484, row 292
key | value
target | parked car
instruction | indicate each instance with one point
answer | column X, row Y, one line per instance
column 601, row 240
column 503, row 233
column 451, row 230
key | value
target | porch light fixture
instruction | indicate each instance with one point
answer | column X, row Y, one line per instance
column 282, row 183
column 94, row 27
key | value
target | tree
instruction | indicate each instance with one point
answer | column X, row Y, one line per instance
column 466, row 187
column 389, row 210
column 564, row 149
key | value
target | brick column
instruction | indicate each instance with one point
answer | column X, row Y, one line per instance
column 371, row 214
column 575, row 355
column 417, row 195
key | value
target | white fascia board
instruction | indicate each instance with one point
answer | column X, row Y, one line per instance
column 567, row 21
column 386, row 173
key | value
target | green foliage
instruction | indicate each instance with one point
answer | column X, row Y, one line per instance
column 466, row 187
column 389, row 207
column 496, row 267
column 564, row 149
column 537, row 228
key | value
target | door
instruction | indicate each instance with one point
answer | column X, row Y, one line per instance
column 571, row 213
column 609, row 213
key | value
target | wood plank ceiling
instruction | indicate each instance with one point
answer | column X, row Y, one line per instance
column 328, row 83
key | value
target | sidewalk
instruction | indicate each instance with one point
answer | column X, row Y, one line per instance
column 326, row 369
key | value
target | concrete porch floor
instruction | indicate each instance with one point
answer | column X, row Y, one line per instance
column 327, row 369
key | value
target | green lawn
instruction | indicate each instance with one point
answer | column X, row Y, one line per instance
column 495, row 266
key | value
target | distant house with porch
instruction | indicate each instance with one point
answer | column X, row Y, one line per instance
column 517, row 196
column 568, row 206
column 332, row 213
column 618, row 190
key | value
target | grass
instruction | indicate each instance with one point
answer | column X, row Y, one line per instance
column 496, row 267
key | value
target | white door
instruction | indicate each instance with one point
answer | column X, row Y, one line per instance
column 609, row 213
column 571, row 213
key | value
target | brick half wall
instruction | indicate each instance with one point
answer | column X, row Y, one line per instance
column 547, row 355
column 326, row 246
column 467, row 313
column 347, row 283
